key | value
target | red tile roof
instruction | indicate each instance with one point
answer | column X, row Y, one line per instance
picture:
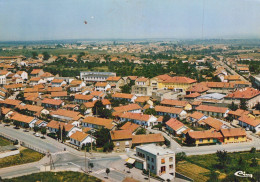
column 204, row 134
column 174, row 102
column 121, row 135
column 179, row 79
column 56, row 102
column 150, row 138
column 136, row 116
column 196, row 115
column 107, row 123
column 56, row 124
column 165, row 109
column 211, row 109
column 84, row 97
column 116, row 78
column 174, row 124
column 123, row 95
column 22, row 118
column 250, row 121
column 79, row 136
column 127, row 108
column 212, row 122
column 246, row 93
column 130, row 126
column 232, row 132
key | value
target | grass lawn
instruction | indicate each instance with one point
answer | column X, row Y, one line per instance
column 4, row 142
column 198, row 167
column 67, row 176
column 193, row 171
column 25, row 156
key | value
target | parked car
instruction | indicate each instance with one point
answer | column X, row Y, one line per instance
column 37, row 134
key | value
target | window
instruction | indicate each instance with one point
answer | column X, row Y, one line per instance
column 148, row 158
column 236, row 137
column 152, row 167
column 201, row 140
column 208, row 139
column 162, row 161
column 152, row 160
column 117, row 143
column 171, row 166
column 148, row 166
column 227, row 138
column 171, row 159
column 127, row 143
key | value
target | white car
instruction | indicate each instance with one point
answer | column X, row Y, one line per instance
column 37, row 134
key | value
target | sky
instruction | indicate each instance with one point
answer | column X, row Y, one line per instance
column 22, row 20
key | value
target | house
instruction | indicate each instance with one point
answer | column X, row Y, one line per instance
column 204, row 137
column 36, row 73
column 219, row 87
column 3, row 75
column 197, row 88
column 171, row 111
column 220, row 112
column 98, row 94
column 80, row 138
column 147, row 139
column 249, row 94
column 15, row 87
column 59, row 95
column 98, row 123
column 3, row 93
column 58, row 83
column 175, row 127
column 52, row 103
column 139, row 118
column 23, row 119
column 176, row 83
column 122, row 140
column 130, row 126
column 36, row 81
column 142, row 87
column 77, row 85
column 53, row 127
column 232, row 78
column 249, row 123
column 23, row 75
column 91, row 76
column 176, row 103
column 233, row 135
column 10, row 103
column 102, row 86
column 143, row 100
column 117, row 81
column 123, row 96
column 33, row 109
column 47, row 77
column 79, row 98
column 213, row 123
column 40, row 123
column 66, row 115
column 156, row 159
column 135, row 108
column 6, row 112
column 237, row 113
column 195, row 117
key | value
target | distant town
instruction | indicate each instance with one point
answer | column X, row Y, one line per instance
column 136, row 110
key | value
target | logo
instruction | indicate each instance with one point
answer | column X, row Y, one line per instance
column 243, row 174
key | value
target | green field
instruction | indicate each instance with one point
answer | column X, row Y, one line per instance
column 4, row 142
column 56, row 177
column 199, row 167
column 25, row 156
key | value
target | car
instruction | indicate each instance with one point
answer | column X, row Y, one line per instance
column 37, row 134
column 26, row 130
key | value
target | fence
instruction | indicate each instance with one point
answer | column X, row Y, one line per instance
column 181, row 176
column 33, row 148
column 24, row 144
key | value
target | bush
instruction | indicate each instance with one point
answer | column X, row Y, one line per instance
column 52, row 135
column 253, row 150
column 16, row 142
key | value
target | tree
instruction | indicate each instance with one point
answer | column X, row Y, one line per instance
column 16, row 123
column 223, row 158
column 46, row 56
column 180, row 156
column 99, row 109
column 43, row 131
column 126, row 89
column 159, row 126
column 241, row 163
column 59, row 133
column 150, row 111
column 20, row 97
column 107, row 171
column 36, row 129
column 214, row 176
column 34, row 55
column 166, row 118
column 26, row 125
column 253, row 150
column 64, row 134
column 254, row 162
column 141, row 131
column 91, row 165
column 243, row 104
column 129, row 166
column 233, row 106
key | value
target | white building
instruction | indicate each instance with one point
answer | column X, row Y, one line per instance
column 79, row 138
column 91, row 76
column 158, row 160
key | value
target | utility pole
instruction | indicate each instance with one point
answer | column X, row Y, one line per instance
column 61, row 134
column 149, row 176
column 85, row 160
column 91, row 141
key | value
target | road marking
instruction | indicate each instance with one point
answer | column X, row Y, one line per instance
column 103, row 171
column 74, row 164
column 61, row 152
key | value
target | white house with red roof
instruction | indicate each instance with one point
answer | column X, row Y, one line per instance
column 249, row 123
column 139, row 118
column 175, row 126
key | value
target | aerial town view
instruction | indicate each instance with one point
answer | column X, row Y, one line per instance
column 130, row 91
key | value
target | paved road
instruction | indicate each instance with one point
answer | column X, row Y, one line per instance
column 232, row 71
